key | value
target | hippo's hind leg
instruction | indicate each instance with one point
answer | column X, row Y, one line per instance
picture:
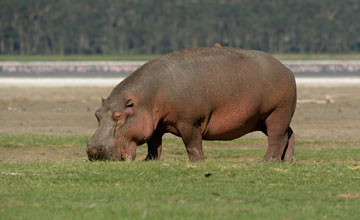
column 192, row 139
column 281, row 146
column 154, row 146
column 281, row 137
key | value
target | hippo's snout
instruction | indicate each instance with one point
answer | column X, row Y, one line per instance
column 96, row 153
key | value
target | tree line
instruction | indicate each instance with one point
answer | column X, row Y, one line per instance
column 159, row 26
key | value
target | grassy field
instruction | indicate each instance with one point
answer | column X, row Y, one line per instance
column 26, row 58
column 322, row 183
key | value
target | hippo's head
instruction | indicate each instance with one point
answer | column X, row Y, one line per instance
column 123, row 125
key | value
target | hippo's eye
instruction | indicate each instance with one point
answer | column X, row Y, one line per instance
column 130, row 103
column 116, row 115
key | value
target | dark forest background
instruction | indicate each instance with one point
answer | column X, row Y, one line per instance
column 159, row 26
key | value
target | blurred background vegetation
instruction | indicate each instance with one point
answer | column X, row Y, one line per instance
column 63, row 27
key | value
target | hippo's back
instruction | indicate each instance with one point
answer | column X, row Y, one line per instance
column 221, row 74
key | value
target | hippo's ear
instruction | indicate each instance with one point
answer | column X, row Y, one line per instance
column 102, row 101
column 130, row 103
column 131, row 100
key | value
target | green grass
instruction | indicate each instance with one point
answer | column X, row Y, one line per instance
column 322, row 183
column 146, row 57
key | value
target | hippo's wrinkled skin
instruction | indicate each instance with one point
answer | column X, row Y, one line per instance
column 217, row 93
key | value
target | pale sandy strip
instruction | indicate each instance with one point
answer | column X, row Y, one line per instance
column 103, row 82
column 328, row 82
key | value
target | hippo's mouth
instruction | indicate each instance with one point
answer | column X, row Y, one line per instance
column 118, row 152
column 100, row 153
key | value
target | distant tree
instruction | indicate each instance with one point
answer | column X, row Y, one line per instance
column 159, row 26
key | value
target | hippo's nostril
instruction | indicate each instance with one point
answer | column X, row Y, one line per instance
column 100, row 148
column 92, row 153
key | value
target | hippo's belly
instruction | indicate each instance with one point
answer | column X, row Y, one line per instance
column 231, row 123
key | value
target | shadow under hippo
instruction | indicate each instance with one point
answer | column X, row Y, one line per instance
column 217, row 93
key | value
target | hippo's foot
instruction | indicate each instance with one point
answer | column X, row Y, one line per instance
column 281, row 147
column 151, row 156
column 196, row 157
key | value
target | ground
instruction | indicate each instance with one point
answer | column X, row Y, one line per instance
column 70, row 111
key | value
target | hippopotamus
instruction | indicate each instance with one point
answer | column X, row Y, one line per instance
column 215, row 93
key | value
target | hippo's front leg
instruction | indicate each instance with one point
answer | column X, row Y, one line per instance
column 192, row 139
column 154, row 147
